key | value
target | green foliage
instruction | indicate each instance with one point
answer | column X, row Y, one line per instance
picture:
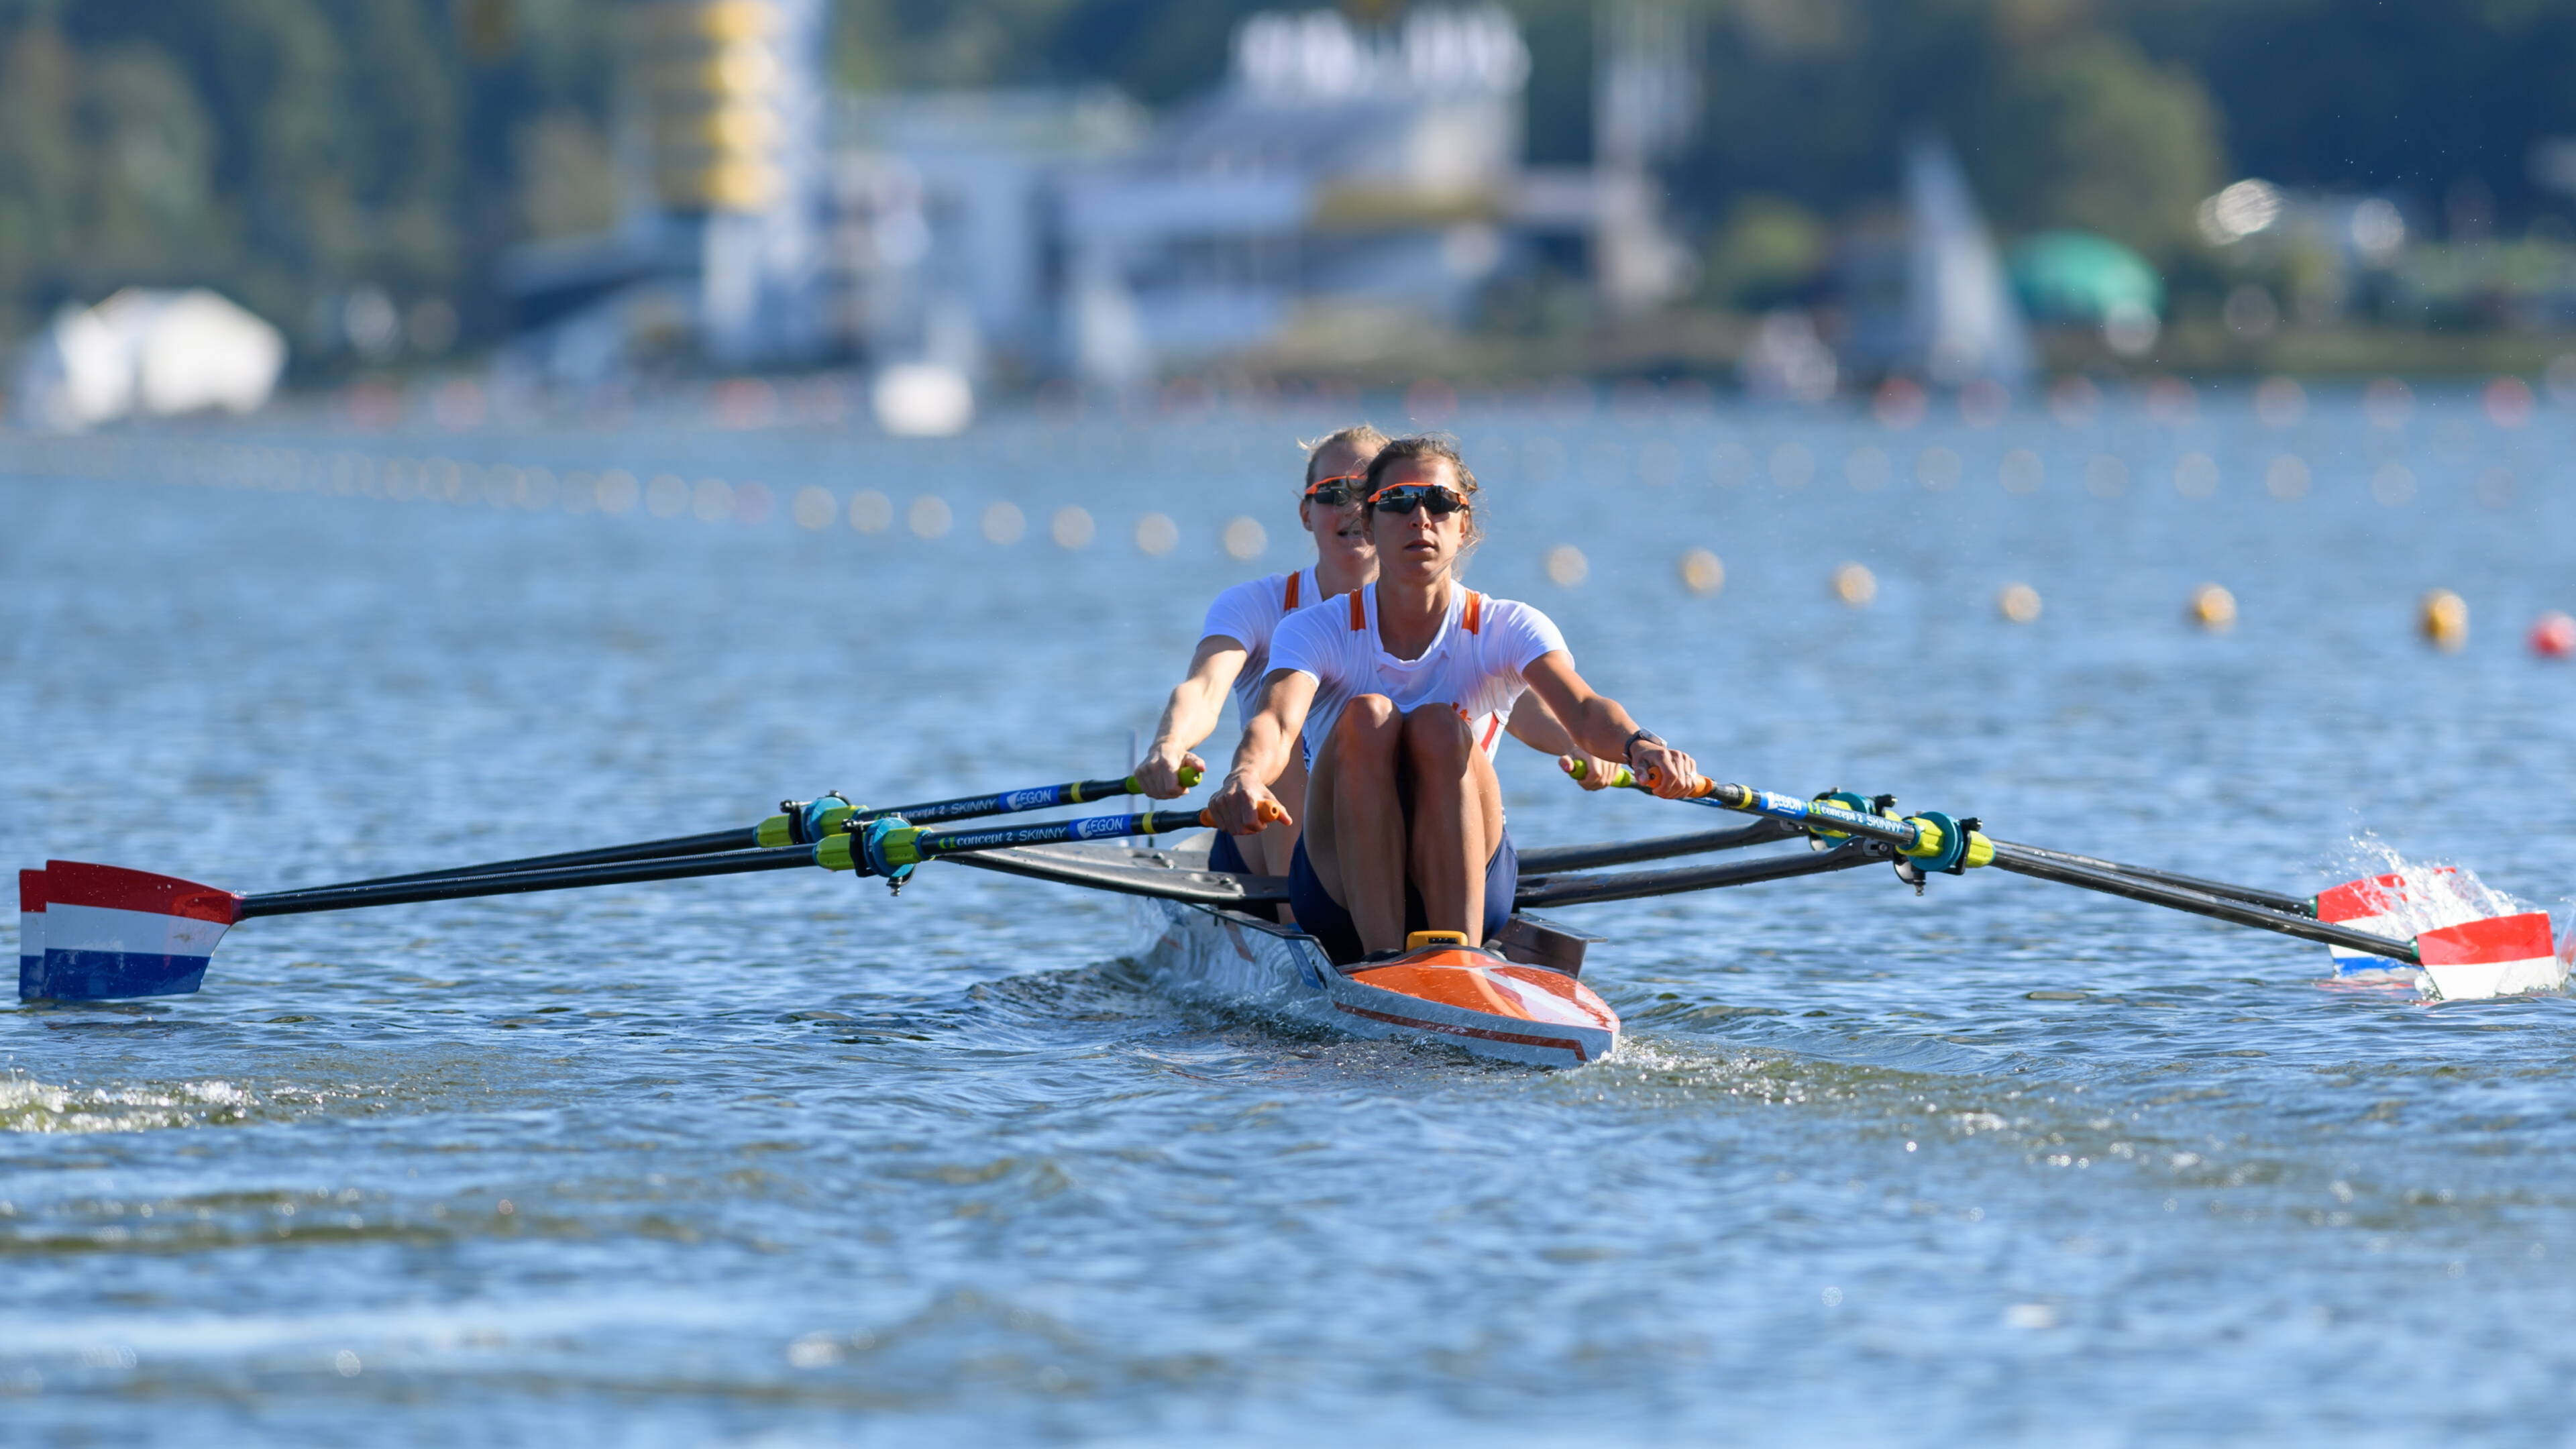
column 1766, row 250
column 2100, row 138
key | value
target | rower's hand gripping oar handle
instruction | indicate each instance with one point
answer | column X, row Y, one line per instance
column 809, row 822
column 891, row 848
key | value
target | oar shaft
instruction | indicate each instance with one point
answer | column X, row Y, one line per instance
column 1544, row 859
column 742, row 837
column 2051, row 866
column 1813, row 816
column 1009, row 802
column 2251, row 895
column 778, row 831
column 935, row 843
column 1576, row 890
column 894, row 852
column 399, row 893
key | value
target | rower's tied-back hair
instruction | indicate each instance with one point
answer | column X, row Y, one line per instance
column 1423, row 448
column 1361, row 438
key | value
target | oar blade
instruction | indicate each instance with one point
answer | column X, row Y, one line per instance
column 2383, row 905
column 2473, row 959
column 2494, row 956
column 111, row 933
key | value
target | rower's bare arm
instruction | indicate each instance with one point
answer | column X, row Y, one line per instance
column 1190, row 715
column 1536, row 725
column 1602, row 726
column 1268, row 736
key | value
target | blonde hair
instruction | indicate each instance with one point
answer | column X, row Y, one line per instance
column 1358, row 437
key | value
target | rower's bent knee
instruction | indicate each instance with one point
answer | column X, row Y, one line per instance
column 1369, row 725
column 1435, row 735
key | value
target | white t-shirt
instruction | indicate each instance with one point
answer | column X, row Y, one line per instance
column 1249, row 614
column 1474, row 663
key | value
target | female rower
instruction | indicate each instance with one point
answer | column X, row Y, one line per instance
column 1403, row 690
column 1234, row 643
column 1234, row 650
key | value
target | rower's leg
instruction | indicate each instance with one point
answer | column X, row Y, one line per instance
column 1355, row 823
column 1457, row 819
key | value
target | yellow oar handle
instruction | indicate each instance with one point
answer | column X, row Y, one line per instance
column 1623, row 778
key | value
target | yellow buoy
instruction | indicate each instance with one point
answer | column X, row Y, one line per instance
column 1703, row 572
column 2443, row 617
column 1855, row 585
column 2213, row 608
column 2019, row 603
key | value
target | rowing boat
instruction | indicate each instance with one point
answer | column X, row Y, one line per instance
column 1522, row 1001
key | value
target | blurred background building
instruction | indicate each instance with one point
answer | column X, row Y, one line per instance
column 1800, row 196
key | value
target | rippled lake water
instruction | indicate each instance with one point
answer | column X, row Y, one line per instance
column 778, row 1159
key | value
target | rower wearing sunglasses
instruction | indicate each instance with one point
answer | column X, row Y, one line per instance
column 1234, row 650
column 1234, row 642
column 1401, row 692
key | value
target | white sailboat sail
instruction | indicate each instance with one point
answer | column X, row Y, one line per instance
column 1961, row 319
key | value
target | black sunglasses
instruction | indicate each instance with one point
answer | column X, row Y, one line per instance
column 1431, row 498
column 1334, row 492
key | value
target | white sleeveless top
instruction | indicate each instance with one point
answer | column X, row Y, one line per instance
column 1249, row 614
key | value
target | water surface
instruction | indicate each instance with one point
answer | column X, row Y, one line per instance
column 781, row 1159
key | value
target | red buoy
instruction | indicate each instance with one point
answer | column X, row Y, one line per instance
column 2553, row 636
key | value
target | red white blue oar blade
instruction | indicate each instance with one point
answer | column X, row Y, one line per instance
column 31, row 930
column 2383, row 906
column 2497, row 956
column 111, row 933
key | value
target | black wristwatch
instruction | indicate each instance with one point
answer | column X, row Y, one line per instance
column 1628, row 746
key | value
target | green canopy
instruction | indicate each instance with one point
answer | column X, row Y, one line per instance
column 2078, row 276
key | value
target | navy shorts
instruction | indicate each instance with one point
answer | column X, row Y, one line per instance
column 1322, row 917
column 1226, row 855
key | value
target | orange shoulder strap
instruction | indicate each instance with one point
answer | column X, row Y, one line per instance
column 1289, row 604
column 1475, row 613
column 1359, row 612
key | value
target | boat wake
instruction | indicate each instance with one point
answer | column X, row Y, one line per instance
column 33, row 1106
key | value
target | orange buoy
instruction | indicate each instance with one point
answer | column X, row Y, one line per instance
column 2213, row 608
column 1855, row 585
column 2553, row 636
column 2443, row 619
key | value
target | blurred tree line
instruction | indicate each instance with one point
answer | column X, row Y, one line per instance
column 294, row 151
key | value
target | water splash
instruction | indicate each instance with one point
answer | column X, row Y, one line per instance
column 32, row 1106
column 2432, row 895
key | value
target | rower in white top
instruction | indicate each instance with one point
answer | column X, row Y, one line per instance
column 1234, row 650
column 1407, row 686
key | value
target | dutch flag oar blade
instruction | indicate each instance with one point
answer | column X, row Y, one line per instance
column 106, row 933
column 2496, row 956
column 2465, row 960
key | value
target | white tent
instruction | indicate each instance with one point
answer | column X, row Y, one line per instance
column 154, row 353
